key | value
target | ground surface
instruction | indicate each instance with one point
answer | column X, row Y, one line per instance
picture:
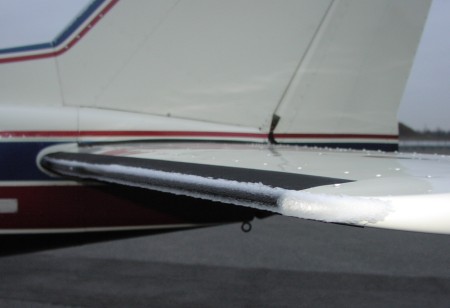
column 281, row 262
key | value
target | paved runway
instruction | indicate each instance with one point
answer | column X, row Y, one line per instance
column 281, row 262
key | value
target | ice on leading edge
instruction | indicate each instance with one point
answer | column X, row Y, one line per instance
column 333, row 208
column 301, row 204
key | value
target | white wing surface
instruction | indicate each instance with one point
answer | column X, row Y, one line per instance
column 364, row 188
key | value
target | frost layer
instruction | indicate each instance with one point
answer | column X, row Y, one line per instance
column 333, row 208
column 329, row 208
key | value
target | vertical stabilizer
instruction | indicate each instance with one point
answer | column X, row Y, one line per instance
column 217, row 61
column 350, row 82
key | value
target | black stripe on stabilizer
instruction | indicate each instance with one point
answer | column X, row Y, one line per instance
column 291, row 181
column 385, row 147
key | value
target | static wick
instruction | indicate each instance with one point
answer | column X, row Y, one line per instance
column 246, row 226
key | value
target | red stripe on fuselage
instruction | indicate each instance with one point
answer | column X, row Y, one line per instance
column 78, row 207
column 335, row 136
column 76, row 134
column 73, row 207
column 184, row 134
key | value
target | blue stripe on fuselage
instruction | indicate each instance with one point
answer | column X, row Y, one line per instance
column 18, row 161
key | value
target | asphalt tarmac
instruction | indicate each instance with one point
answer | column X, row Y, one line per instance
column 282, row 262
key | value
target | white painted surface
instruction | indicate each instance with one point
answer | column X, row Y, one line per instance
column 101, row 120
column 37, row 118
column 353, row 76
column 30, row 83
column 217, row 61
column 9, row 206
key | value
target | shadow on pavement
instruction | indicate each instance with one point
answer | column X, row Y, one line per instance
column 26, row 243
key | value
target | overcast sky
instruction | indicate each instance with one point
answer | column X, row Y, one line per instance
column 426, row 103
column 47, row 17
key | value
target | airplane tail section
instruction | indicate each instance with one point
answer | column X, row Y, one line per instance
column 350, row 81
column 330, row 71
column 314, row 72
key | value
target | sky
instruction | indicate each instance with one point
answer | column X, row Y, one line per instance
column 426, row 101
column 46, row 17
column 425, row 104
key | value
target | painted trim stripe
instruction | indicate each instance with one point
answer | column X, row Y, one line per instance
column 37, row 230
column 8, row 206
column 75, row 134
column 89, row 133
column 335, row 136
column 63, row 37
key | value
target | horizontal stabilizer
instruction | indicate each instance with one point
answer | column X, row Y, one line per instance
column 354, row 187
